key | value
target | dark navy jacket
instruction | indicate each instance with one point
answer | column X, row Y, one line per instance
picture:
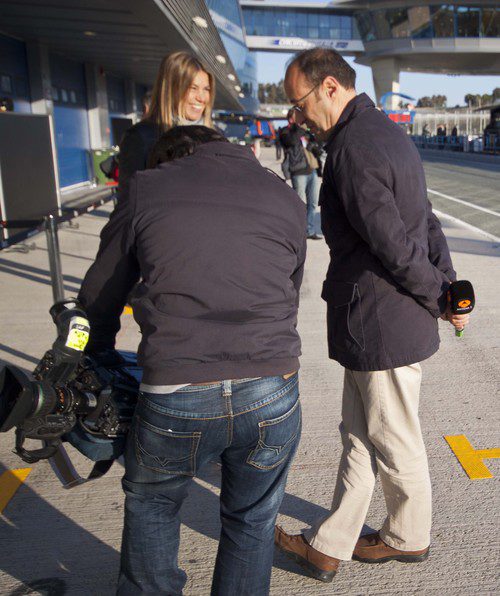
column 390, row 265
column 220, row 245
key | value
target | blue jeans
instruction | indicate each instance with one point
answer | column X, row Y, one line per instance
column 307, row 187
column 253, row 425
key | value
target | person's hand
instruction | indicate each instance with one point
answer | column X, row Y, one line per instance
column 458, row 321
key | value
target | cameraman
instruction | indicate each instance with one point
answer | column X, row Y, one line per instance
column 220, row 245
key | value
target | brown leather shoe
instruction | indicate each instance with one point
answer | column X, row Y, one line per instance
column 372, row 549
column 316, row 564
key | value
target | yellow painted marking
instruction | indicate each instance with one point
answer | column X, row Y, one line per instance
column 471, row 459
column 127, row 310
column 10, row 481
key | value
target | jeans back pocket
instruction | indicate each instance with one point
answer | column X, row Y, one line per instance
column 277, row 438
column 164, row 450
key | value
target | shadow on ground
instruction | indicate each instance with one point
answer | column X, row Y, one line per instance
column 43, row 549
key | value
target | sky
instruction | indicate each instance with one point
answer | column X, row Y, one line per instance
column 271, row 68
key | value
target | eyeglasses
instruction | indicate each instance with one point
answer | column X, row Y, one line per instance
column 299, row 108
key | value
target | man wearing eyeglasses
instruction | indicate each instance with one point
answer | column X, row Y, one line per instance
column 385, row 289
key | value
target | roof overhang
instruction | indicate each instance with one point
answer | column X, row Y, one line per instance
column 126, row 38
column 479, row 56
column 325, row 5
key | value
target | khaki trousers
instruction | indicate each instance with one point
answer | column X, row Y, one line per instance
column 380, row 433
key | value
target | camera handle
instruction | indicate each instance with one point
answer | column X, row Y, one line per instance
column 66, row 473
column 33, row 455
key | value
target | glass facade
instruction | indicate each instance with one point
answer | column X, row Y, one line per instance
column 435, row 21
column 227, row 18
column 290, row 22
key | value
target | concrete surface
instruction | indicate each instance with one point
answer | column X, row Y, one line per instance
column 54, row 541
column 474, row 183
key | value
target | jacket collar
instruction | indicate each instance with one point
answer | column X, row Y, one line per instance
column 357, row 105
column 225, row 148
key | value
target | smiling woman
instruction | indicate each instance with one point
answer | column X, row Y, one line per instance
column 183, row 94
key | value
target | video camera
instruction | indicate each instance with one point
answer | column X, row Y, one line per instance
column 87, row 400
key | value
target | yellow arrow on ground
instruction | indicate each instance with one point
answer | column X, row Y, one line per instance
column 10, row 481
column 471, row 459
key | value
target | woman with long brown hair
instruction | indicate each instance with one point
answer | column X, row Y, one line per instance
column 183, row 94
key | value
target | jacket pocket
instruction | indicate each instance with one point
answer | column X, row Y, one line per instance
column 345, row 316
column 164, row 450
column 277, row 438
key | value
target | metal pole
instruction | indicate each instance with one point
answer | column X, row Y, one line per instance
column 54, row 258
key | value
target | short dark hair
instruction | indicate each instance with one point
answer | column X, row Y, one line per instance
column 318, row 63
column 180, row 141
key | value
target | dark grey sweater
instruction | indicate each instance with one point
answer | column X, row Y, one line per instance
column 220, row 245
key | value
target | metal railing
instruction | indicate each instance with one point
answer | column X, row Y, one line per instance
column 489, row 144
column 49, row 223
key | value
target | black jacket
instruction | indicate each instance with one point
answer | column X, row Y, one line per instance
column 220, row 244
column 390, row 265
column 135, row 147
column 295, row 162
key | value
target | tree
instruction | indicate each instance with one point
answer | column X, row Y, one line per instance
column 436, row 101
column 272, row 93
column 424, row 102
column 476, row 100
column 486, row 99
column 439, row 101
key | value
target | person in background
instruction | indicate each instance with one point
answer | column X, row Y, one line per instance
column 146, row 103
column 277, row 146
column 301, row 166
column 183, row 93
column 220, row 351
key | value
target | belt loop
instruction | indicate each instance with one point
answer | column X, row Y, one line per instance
column 226, row 388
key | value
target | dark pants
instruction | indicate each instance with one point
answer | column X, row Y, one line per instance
column 254, row 427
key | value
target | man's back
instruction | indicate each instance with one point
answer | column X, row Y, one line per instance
column 220, row 245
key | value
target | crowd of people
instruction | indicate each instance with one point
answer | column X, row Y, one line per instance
column 209, row 248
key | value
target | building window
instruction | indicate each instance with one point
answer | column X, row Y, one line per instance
column 313, row 19
column 381, row 25
column 467, row 21
column 366, row 26
column 443, row 20
column 64, row 96
column 490, row 23
column 5, row 84
column 420, row 22
column 54, row 93
column 20, row 85
column 398, row 22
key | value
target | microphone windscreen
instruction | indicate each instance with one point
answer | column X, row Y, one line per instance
column 462, row 299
